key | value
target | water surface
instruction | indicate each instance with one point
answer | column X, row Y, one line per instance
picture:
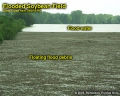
column 63, row 28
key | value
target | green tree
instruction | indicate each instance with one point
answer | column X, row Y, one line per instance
column 76, row 17
column 90, row 19
column 57, row 22
column 64, row 18
column 18, row 24
column 10, row 27
column 117, row 19
column 101, row 18
column 50, row 18
column 1, row 37
column 8, row 31
column 27, row 17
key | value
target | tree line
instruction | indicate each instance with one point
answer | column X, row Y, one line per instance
column 75, row 17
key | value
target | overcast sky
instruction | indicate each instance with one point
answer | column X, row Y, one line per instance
column 86, row 6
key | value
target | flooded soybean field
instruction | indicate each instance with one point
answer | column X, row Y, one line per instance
column 95, row 66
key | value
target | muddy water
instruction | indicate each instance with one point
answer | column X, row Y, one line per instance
column 94, row 67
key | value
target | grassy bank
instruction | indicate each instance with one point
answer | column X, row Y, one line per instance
column 94, row 67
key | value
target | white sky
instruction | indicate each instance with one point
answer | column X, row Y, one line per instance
column 86, row 6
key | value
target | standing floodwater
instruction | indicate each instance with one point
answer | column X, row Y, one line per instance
column 63, row 28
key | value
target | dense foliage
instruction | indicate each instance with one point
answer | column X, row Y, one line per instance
column 9, row 27
column 76, row 17
column 1, row 37
column 27, row 17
